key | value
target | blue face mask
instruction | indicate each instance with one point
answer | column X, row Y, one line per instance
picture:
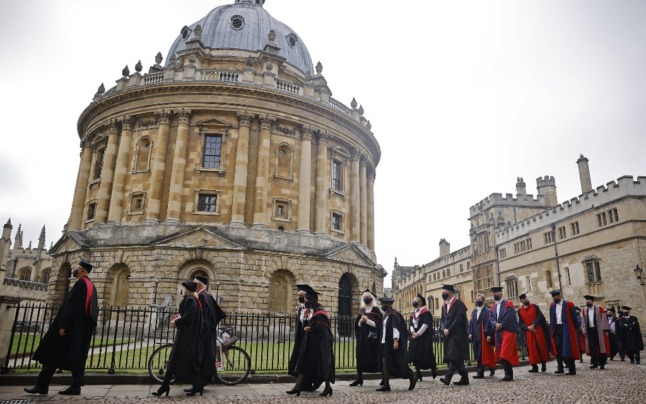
column 479, row 303
column 367, row 301
column 445, row 296
column 415, row 304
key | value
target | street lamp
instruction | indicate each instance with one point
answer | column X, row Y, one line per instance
column 639, row 274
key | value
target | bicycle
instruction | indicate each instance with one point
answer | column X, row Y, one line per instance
column 233, row 364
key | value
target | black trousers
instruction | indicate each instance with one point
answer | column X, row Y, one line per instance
column 509, row 370
column 384, row 368
column 456, row 366
column 45, row 377
column 596, row 357
column 558, row 340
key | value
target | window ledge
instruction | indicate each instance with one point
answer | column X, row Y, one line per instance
column 196, row 212
column 337, row 231
column 93, row 182
column 338, row 193
column 219, row 171
column 136, row 213
column 282, row 177
column 140, row 171
column 280, row 219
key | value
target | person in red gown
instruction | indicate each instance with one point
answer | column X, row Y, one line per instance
column 504, row 323
column 482, row 350
column 564, row 323
column 533, row 323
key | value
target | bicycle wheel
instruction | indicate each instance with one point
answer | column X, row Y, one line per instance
column 158, row 362
column 236, row 364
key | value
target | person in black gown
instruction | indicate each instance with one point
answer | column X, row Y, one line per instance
column 366, row 330
column 301, row 318
column 212, row 314
column 394, row 338
column 420, row 344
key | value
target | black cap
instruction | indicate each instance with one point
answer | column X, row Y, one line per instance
column 555, row 292
column 495, row 289
column 86, row 265
column 589, row 297
column 311, row 294
column 386, row 299
column 202, row 279
column 450, row 288
column 303, row 287
column 368, row 291
column 610, row 309
column 626, row 308
column 521, row 297
column 421, row 299
column 190, row 285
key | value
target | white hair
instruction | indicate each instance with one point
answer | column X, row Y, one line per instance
column 375, row 302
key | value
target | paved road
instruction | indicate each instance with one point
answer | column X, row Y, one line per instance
column 621, row 383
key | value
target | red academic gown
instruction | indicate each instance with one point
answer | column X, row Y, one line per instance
column 536, row 341
column 506, row 338
column 571, row 324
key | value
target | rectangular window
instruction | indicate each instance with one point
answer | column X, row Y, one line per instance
column 207, row 203
column 613, row 215
column 575, row 228
column 136, row 203
column 503, row 253
column 212, row 151
column 337, row 175
column 91, row 211
column 562, row 233
column 593, row 271
column 337, row 222
column 98, row 163
column 548, row 279
column 529, row 243
column 548, row 237
column 601, row 219
column 567, row 275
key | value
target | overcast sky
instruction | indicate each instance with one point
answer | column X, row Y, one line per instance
column 463, row 97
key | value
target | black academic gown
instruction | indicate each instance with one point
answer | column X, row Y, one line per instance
column 396, row 359
column 630, row 335
column 306, row 385
column 456, row 344
column 316, row 358
column 368, row 343
column 420, row 350
column 210, row 317
column 186, row 356
column 78, row 317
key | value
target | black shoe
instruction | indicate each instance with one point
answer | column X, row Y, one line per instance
column 413, row 382
column 534, row 369
column 602, row 367
column 384, row 388
column 71, row 391
column 507, row 379
column 462, row 382
column 381, row 383
column 543, row 368
column 188, row 390
column 446, row 382
column 419, row 376
column 478, row 376
column 164, row 388
column 294, row 391
column 358, row 382
column 571, row 373
column 195, row 390
column 326, row 392
column 36, row 390
column 559, row 371
column 594, row 366
column 632, row 361
column 637, row 362
column 434, row 373
column 492, row 372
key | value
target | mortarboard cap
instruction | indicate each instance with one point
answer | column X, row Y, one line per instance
column 190, row 285
column 589, row 297
column 626, row 308
column 386, row 299
column 303, row 287
column 202, row 279
column 555, row 292
column 495, row 289
column 86, row 265
column 521, row 297
column 450, row 288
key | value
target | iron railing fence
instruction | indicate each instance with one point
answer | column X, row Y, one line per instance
column 125, row 338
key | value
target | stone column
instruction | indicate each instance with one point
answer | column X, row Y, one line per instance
column 322, row 184
column 107, row 174
column 355, row 198
column 174, row 211
column 121, row 170
column 371, row 209
column 262, row 175
column 304, row 181
column 241, row 170
column 80, row 190
column 158, row 167
column 363, row 220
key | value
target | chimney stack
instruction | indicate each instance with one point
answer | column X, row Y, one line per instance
column 521, row 188
column 445, row 248
column 584, row 175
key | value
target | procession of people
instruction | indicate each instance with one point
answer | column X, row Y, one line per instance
column 386, row 341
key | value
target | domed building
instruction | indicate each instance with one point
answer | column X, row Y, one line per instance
column 230, row 159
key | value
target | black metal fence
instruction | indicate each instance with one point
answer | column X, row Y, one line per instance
column 125, row 338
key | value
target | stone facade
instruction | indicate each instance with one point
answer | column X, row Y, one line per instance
column 234, row 162
column 590, row 244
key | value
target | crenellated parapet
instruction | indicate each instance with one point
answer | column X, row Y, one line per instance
column 623, row 187
column 497, row 199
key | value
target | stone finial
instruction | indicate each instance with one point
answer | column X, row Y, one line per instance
column 368, row 125
column 42, row 235
column 197, row 32
column 158, row 58
column 125, row 72
column 249, row 61
column 139, row 67
column 361, row 110
column 8, row 224
column 101, row 89
column 353, row 104
column 271, row 36
column 319, row 68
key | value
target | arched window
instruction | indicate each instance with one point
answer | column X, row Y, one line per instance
column 142, row 157
column 24, row 274
column 284, row 161
column 44, row 276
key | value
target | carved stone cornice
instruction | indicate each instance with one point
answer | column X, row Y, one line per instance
column 307, row 131
column 85, row 142
column 323, row 136
column 113, row 127
column 266, row 121
column 163, row 116
column 146, row 123
column 126, row 122
column 285, row 130
column 355, row 154
column 184, row 116
column 245, row 118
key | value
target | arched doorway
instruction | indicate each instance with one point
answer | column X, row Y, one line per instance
column 281, row 291
column 345, row 305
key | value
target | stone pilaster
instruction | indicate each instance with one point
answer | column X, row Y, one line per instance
column 80, row 190
column 107, row 174
column 304, row 181
column 241, row 170
column 158, row 167
column 322, row 184
column 355, row 198
column 371, row 209
column 262, row 176
column 173, row 215
column 363, row 220
column 121, row 170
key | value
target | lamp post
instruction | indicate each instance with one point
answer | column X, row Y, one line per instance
column 639, row 273
column 556, row 255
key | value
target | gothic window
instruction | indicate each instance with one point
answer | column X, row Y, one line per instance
column 142, row 156
column 98, row 163
column 503, row 253
column 575, row 228
column 601, row 219
column 592, row 271
column 212, row 151
column 337, row 175
column 613, row 215
column 44, row 276
column 284, row 158
column 24, row 274
column 512, row 286
column 548, row 237
column 562, row 233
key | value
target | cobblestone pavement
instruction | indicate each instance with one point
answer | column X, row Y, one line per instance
column 621, row 382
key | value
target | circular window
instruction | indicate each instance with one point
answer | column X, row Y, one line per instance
column 237, row 22
column 292, row 40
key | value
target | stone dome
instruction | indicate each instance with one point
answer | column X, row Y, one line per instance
column 245, row 25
